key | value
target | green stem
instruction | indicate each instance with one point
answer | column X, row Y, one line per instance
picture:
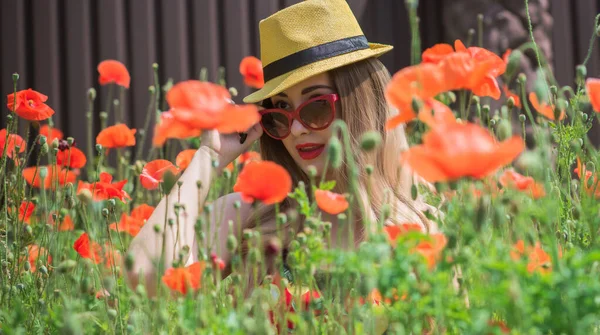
column 140, row 146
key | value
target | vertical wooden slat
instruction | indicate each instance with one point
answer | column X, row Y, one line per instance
column 174, row 35
column 111, row 43
column 205, row 37
column 143, row 53
column 47, row 77
column 12, row 33
column 387, row 24
column 562, row 42
column 236, row 29
column 287, row 3
column 78, row 69
column 584, row 11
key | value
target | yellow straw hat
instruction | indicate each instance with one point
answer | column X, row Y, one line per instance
column 306, row 39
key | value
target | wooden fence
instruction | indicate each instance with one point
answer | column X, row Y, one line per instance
column 55, row 45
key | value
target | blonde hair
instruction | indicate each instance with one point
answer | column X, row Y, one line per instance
column 363, row 107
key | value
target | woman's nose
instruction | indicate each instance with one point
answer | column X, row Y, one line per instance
column 298, row 129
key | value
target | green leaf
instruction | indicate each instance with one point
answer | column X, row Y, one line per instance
column 327, row 186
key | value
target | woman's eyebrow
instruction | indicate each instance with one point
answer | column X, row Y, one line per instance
column 312, row 88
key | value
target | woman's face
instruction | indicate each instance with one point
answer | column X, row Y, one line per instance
column 306, row 146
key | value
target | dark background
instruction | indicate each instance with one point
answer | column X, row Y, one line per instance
column 55, row 45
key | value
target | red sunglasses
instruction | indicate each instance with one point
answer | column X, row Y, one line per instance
column 314, row 114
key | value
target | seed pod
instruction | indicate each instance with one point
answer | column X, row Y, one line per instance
column 231, row 243
column 370, row 140
column 504, row 130
column 334, row 152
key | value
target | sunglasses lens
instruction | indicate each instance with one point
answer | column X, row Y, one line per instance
column 317, row 114
column 276, row 124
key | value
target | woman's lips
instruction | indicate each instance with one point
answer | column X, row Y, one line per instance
column 308, row 151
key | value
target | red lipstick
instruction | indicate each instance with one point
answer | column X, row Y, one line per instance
column 308, row 151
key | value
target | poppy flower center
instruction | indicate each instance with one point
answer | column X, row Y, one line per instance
column 31, row 103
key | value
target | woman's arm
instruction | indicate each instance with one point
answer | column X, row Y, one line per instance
column 147, row 246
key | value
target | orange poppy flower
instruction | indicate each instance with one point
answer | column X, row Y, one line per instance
column 539, row 260
column 543, row 108
column 112, row 257
column 105, row 189
column 30, row 105
column 393, row 232
column 420, row 81
column 88, row 249
column 251, row 69
column 510, row 94
column 430, row 248
column 204, row 105
column 184, row 158
column 453, row 151
column 51, row 133
column 506, row 55
column 265, row 181
column 117, row 136
column 153, row 172
column 591, row 187
column 33, row 254
column 435, row 113
column 66, row 224
column 510, row 178
column 54, row 174
column 72, row 158
column 249, row 156
column 14, row 141
column 169, row 127
column 184, row 279
column 499, row 325
column 436, row 53
column 113, row 71
column 331, row 202
column 132, row 224
column 592, row 86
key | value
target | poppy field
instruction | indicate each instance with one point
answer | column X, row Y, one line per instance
column 512, row 193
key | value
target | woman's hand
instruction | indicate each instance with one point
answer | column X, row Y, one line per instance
column 228, row 146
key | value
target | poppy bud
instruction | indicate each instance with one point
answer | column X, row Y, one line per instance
column 42, row 139
column 514, row 61
column 369, row 169
column 99, row 148
column 156, row 228
column 15, row 77
column 105, row 212
column 44, row 149
column 581, row 73
column 70, row 141
column 312, row 171
column 584, row 116
column 370, row 140
column 247, row 233
column 27, row 266
column 43, row 270
column 254, row 256
column 522, row 118
column 342, row 218
column 231, row 243
column 112, row 313
column 103, row 116
column 510, row 102
column 414, row 192
column 43, row 171
column 504, row 130
column 334, row 152
column 233, row 91
column 301, row 237
column 66, row 266
column 227, row 174
column 85, row 196
column 312, row 223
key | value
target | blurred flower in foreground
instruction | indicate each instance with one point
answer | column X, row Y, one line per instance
column 184, row 279
column 265, row 181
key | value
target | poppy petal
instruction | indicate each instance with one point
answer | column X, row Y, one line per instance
column 331, row 202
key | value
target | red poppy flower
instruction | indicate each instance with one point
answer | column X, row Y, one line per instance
column 14, row 141
column 112, row 257
column 510, row 94
column 153, row 172
column 436, row 53
column 101, row 294
column 184, row 158
column 393, row 232
column 133, row 224
column 33, row 254
column 184, row 279
column 105, row 189
column 88, row 249
column 51, row 133
column 112, row 71
column 204, row 105
column 217, row 262
column 330, row 202
column 543, row 108
column 25, row 211
column 251, row 69
column 265, row 181
column 30, row 105
column 435, row 113
column 455, row 150
column 510, row 178
column 72, row 158
column 54, row 174
column 592, row 86
column 591, row 187
column 506, row 55
column 117, row 136
column 539, row 260
column 169, row 127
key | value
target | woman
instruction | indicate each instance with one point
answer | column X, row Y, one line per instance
column 318, row 67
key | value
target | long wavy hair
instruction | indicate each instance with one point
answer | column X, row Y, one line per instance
column 363, row 107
